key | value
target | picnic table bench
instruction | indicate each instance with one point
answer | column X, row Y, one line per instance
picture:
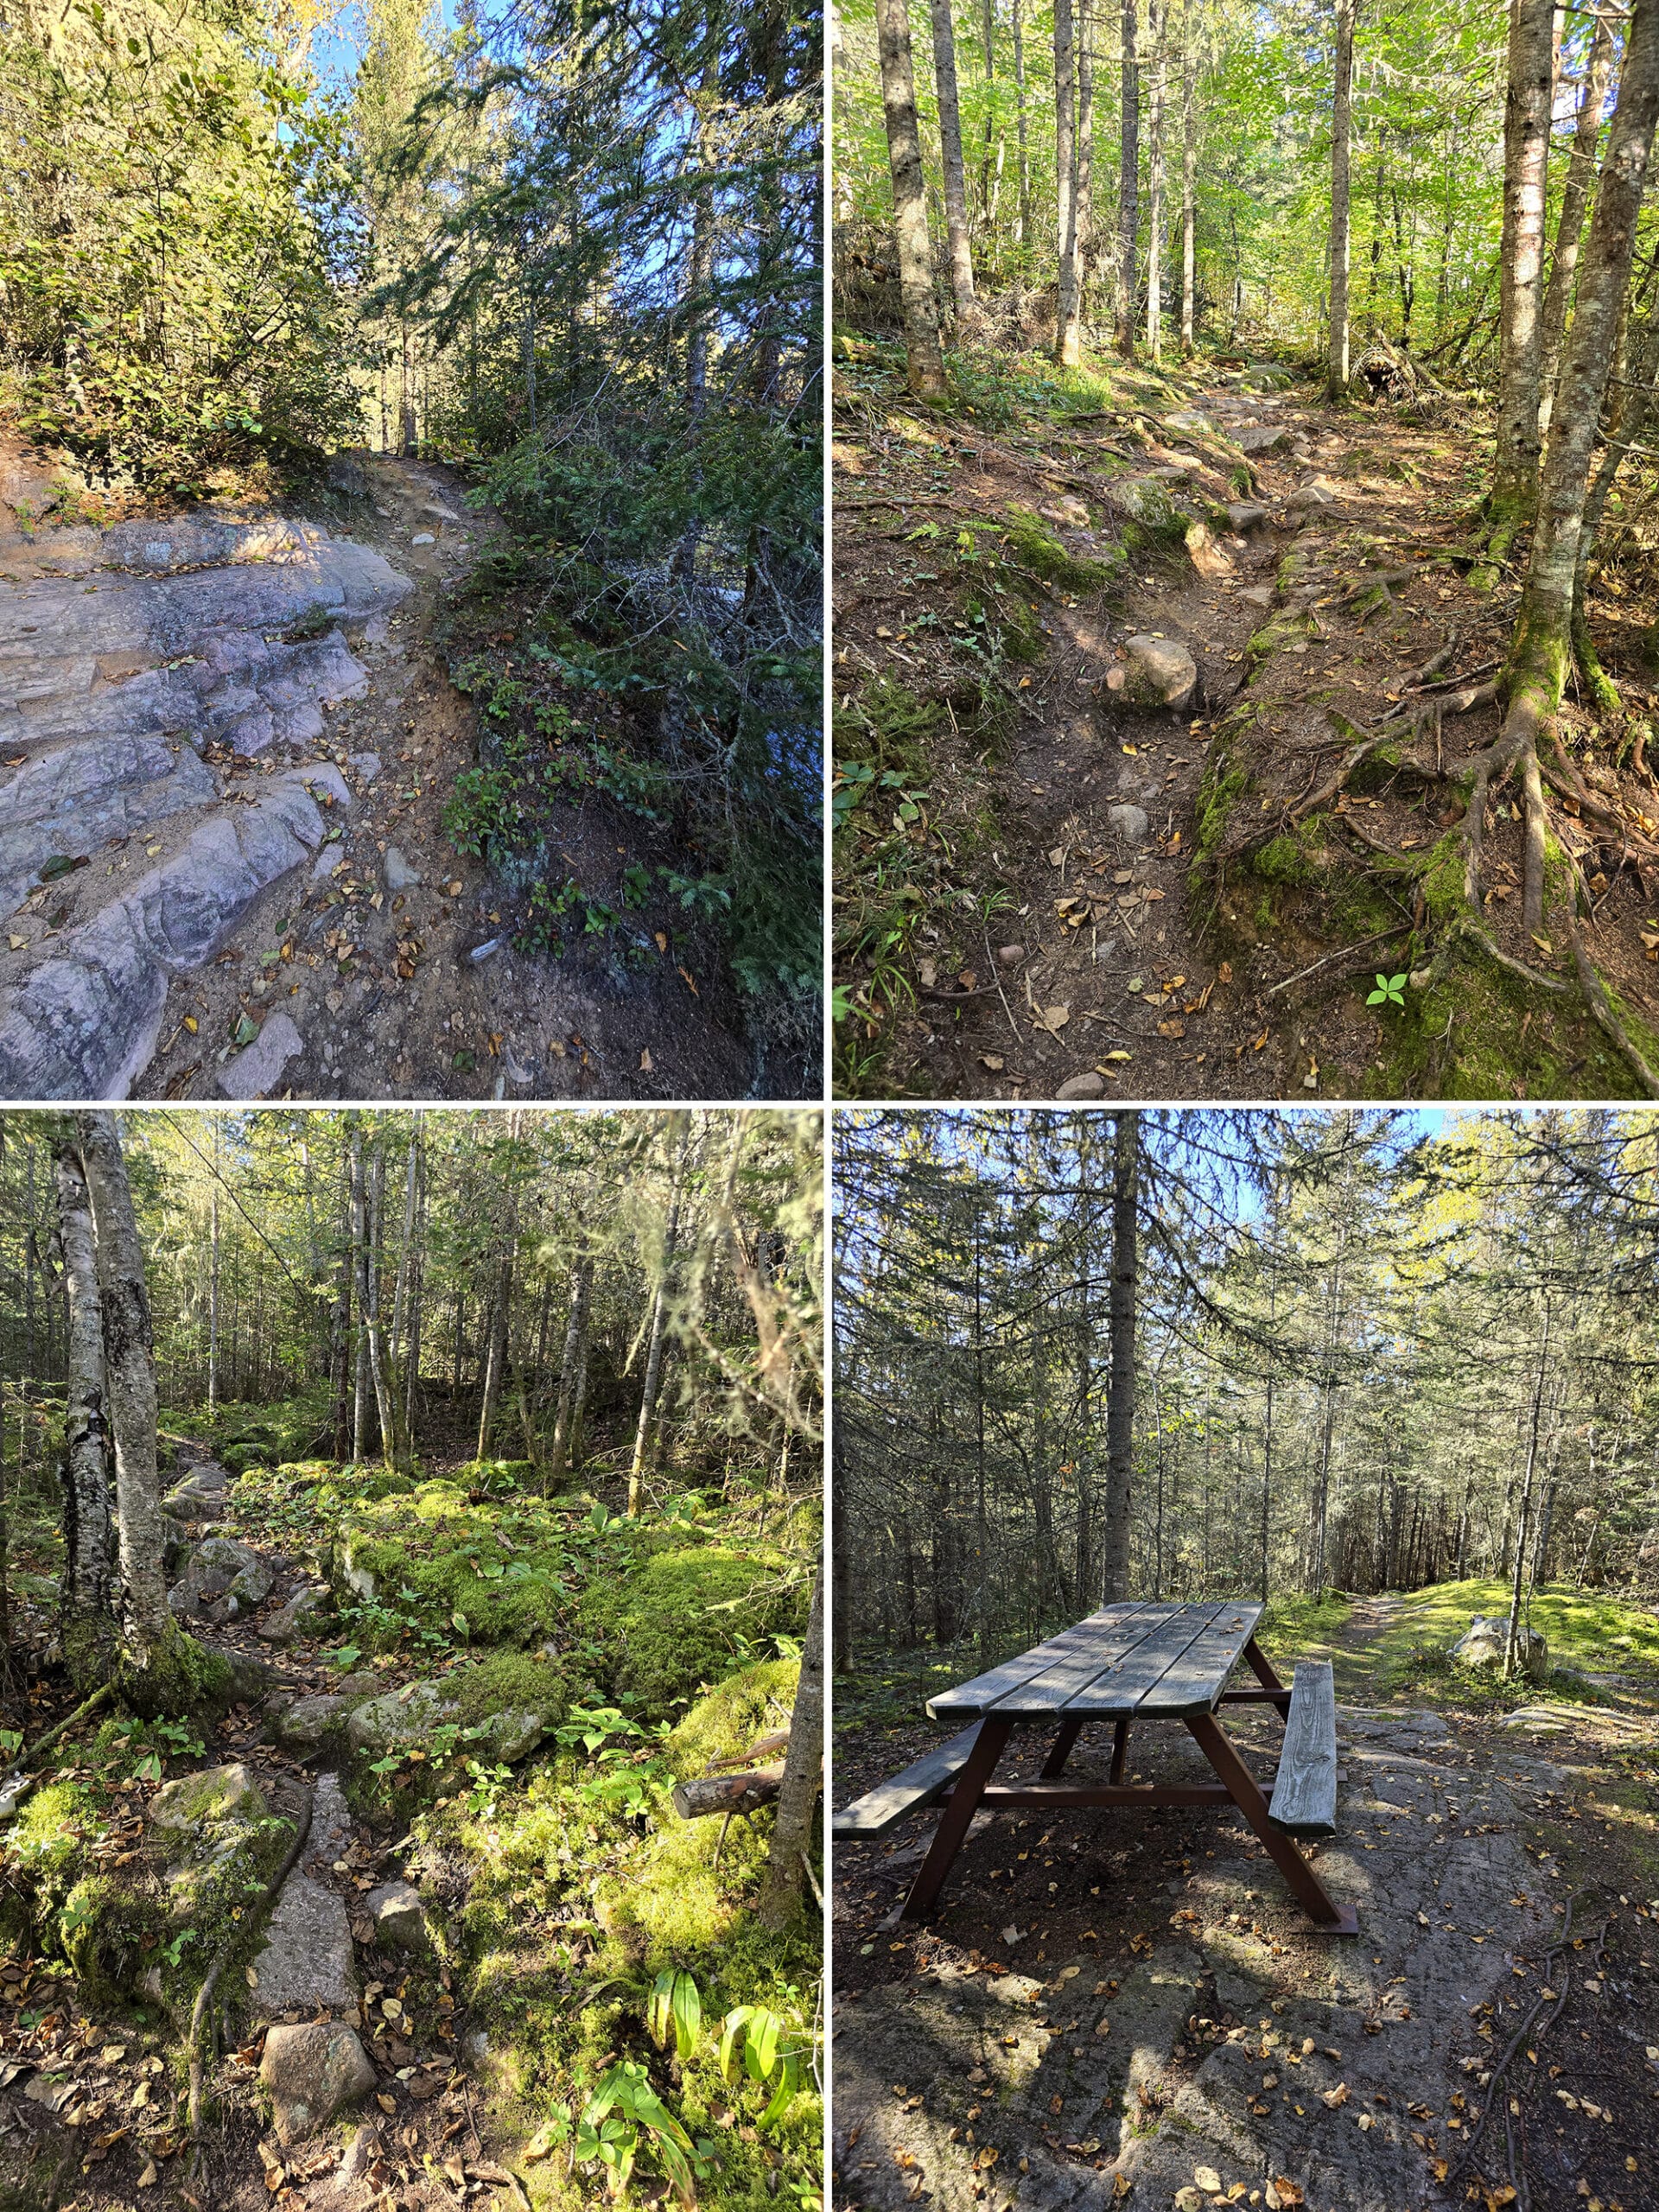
column 1134, row 1661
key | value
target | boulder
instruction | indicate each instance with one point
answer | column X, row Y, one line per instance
column 409, row 1716
column 216, row 1797
column 1486, row 1639
column 219, row 1580
column 1158, row 672
column 1261, row 437
column 313, row 2072
column 301, row 1616
column 1130, row 822
column 1245, row 515
column 400, row 1918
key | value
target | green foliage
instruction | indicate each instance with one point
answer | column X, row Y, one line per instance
column 1390, row 991
column 689, row 1616
column 169, row 201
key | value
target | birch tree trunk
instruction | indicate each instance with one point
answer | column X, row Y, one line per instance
column 787, row 1859
column 1569, row 224
column 495, row 1360
column 955, row 182
column 1120, row 1404
column 1085, row 163
column 1336, row 366
column 130, row 1357
column 1128, row 187
column 88, row 1533
column 1067, row 335
column 926, row 363
column 1526, row 149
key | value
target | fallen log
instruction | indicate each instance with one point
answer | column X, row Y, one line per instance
column 726, row 1793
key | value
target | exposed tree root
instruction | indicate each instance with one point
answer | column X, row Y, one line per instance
column 1601, row 1005
column 1597, row 682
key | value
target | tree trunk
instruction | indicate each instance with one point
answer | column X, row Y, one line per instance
column 213, row 1281
column 340, row 1340
column 88, row 1535
column 787, row 1860
column 955, row 182
column 1120, row 1408
column 1157, row 19
column 400, row 1292
column 375, row 1258
column 130, row 1364
column 573, row 1374
column 360, row 1279
column 1085, row 162
column 1336, row 366
column 926, row 373
column 1575, row 198
column 645, row 1434
column 1539, row 655
column 496, row 1356
column 1522, row 1526
column 1067, row 335
column 1128, row 188
column 1021, row 129
column 1526, row 149
column 1189, row 184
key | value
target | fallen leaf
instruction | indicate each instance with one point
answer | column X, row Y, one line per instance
column 993, row 1061
column 1207, row 2177
column 644, row 1061
column 1172, row 1029
column 148, row 2179
column 1053, row 1019
column 1335, row 2097
column 389, row 2104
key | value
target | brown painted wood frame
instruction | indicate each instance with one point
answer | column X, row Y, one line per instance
column 1235, row 1785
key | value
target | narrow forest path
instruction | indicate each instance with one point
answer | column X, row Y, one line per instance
column 227, row 741
column 102, row 2104
column 1089, row 952
column 1120, row 2012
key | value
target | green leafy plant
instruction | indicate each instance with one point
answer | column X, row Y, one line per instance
column 676, row 2008
column 761, row 2031
column 1390, row 991
column 624, row 2114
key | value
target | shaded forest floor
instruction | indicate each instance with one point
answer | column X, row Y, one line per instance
column 1123, row 2008
column 401, row 962
column 1039, row 886
column 550, row 1876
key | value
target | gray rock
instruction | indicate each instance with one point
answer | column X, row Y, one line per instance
column 400, row 875
column 1485, row 1642
column 1188, row 418
column 483, row 951
column 215, row 1797
column 301, row 1615
column 1245, row 515
column 255, row 1071
column 423, row 537
column 1011, row 955
column 221, row 1580
column 305, row 1725
column 308, row 1959
column 85, row 1022
column 400, row 1917
column 1088, row 1085
column 71, row 800
column 312, row 2072
column 1258, row 595
column 410, row 1715
column 1158, row 672
column 435, row 511
column 1130, row 823
column 331, row 1823
column 367, row 765
column 1261, row 437
column 347, row 474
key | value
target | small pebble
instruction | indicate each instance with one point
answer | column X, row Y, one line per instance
column 1011, row 955
column 1088, row 1085
column 483, row 951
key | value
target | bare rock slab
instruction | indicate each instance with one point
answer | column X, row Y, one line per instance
column 312, row 2073
column 307, row 1961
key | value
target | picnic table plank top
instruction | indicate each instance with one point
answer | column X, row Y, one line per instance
column 1137, row 1656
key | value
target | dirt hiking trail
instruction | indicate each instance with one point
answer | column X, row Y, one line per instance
column 1137, row 2012
column 1124, row 896
column 227, row 738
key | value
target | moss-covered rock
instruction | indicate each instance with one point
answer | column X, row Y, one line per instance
column 183, row 1809
column 689, row 1617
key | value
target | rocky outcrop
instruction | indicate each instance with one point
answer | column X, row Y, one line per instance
column 1485, row 1642
column 126, row 655
column 219, row 1580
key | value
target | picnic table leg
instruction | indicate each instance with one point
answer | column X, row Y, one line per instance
column 1321, row 1909
column 1054, row 1764
column 1119, row 1747
column 959, row 1809
column 1261, row 1666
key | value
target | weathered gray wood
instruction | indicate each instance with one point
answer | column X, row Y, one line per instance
column 1126, row 1688
column 1108, row 1646
column 889, row 1803
column 1305, row 1795
column 1194, row 1682
column 983, row 1691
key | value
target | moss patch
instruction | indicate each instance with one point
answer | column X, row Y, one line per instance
column 688, row 1616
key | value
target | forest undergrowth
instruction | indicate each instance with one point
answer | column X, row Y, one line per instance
column 1315, row 877
column 558, row 1889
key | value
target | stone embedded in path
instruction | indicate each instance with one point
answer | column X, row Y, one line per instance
column 1130, row 823
column 307, row 1961
column 74, row 798
column 313, row 2072
column 399, row 1916
column 1261, row 437
column 220, row 1579
column 1088, row 1085
column 401, row 875
column 1246, row 515
column 302, row 1615
column 1158, row 672
column 254, row 1072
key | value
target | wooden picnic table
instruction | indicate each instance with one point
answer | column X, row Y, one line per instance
column 1130, row 1663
